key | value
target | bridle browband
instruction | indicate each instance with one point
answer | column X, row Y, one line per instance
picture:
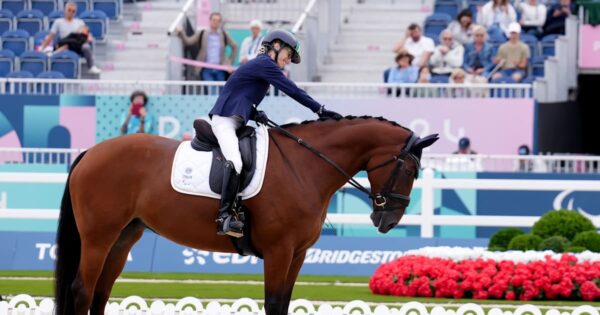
column 385, row 199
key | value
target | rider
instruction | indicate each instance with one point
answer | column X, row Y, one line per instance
column 245, row 89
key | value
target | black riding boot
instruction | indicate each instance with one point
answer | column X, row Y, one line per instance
column 227, row 223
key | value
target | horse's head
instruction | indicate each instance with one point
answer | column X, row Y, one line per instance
column 392, row 180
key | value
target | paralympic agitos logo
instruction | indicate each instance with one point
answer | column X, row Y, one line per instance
column 586, row 203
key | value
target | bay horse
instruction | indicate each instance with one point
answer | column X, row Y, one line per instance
column 121, row 186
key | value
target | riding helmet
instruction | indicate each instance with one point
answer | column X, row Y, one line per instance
column 287, row 38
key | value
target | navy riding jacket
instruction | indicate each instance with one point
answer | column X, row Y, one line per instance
column 249, row 84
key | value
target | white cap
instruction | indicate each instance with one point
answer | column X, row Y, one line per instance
column 514, row 27
column 256, row 23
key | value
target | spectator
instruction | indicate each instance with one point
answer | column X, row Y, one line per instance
column 533, row 17
column 496, row 16
column 75, row 40
column 421, row 47
column 457, row 76
column 252, row 43
column 464, row 146
column 512, row 56
column 448, row 55
column 404, row 72
column 478, row 57
column 424, row 75
column 462, row 27
column 212, row 48
column 67, row 25
column 137, row 119
column 557, row 14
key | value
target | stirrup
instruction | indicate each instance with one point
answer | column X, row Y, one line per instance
column 224, row 227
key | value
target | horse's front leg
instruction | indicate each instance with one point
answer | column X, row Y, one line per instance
column 295, row 267
column 277, row 265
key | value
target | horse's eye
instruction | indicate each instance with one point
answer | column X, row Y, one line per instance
column 408, row 172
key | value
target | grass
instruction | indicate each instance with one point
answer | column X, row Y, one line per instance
column 234, row 291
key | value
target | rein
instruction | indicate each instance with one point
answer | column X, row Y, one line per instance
column 380, row 199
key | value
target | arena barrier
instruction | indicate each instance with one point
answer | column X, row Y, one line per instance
column 135, row 305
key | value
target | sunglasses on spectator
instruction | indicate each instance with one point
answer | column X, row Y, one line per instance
column 446, row 38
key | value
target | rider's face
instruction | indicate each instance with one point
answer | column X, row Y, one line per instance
column 285, row 57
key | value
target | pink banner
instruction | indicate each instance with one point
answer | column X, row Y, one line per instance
column 589, row 52
column 494, row 126
column 203, row 10
column 202, row 64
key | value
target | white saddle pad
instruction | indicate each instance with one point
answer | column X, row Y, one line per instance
column 191, row 169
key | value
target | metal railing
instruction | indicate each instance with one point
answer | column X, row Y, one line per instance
column 268, row 11
column 45, row 156
column 329, row 89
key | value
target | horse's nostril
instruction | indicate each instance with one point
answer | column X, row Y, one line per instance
column 391, row 226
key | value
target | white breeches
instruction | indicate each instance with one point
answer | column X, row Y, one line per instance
column 224, row 129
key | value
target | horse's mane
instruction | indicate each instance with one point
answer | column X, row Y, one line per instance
column 379, row 118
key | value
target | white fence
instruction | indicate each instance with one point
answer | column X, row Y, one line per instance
column 135, row 305
column 345, row 90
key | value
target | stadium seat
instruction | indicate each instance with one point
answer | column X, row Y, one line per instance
column 46, row 6
column 7, row 62
column 434, row 37
column 473, row 4
column 65, row 62
column 19, row 74
column 439, row 78
column 503, row 80
column 17, row 41
column 548, row 43
column 39, row 37
column 30, row 20
column 502, row 92
column 111, row 8
column 97, row 21
column 33, row 61
column 436, row 23
column 537, row 66
column 50, row 87
column 14, row 6
column 54, row 15
column 82, row 5
column 7, row 21
column 528, row 80
column 532, row 42
column 51, row 75
column 450, row 7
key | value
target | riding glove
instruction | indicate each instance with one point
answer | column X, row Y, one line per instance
column 323, row 113
column 261, row 117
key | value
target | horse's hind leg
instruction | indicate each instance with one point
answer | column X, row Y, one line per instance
column 115, row 262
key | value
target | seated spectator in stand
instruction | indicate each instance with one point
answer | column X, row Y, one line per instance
column 213, row 42
column 478, row 57
column 513, row 56
column 464, row 146
column 67, row 25
column 448, row 55
column 557, row 14
column 496, row 16
column 533, row 17
column 75, row 40
column 458, row 76
column 252, row 43
column 137, row 119
column 419, row 46
column 404, row 72
column 462, row 27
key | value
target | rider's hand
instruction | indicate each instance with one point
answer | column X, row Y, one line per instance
column 261, row 117
column 323, row 113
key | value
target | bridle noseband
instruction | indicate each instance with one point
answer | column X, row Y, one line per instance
column 385, row 200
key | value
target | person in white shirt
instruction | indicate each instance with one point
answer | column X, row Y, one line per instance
column 251, row 44
column 416, row 44
column 496, row 16
column 448, row 55
column 533, row 17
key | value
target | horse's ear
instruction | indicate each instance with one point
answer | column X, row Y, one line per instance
column 427, row 141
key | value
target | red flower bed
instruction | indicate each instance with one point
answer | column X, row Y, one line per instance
column 488, row 279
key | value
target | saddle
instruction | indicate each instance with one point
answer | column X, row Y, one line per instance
column 206, row 141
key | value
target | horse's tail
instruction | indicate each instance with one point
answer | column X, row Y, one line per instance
column 68, row 251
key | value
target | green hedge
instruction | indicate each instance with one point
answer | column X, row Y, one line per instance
column 525, row 242
column 565, row 223
column 500, row 240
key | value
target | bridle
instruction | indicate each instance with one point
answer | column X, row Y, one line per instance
column 385, row 200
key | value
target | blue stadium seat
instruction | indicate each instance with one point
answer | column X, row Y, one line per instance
column 50, row 87
column 532, row 42
column 502, row 80
column 97, row 21
column 537, row 66
column 39, row 37
column 55, row 15
column 436, row 23
column 502, row 92
column 111, row 8
column 434, row 37
column 51, row 75
column 7, row 21
column 46, row 6
column 17, row 41
column 7, row 62
column 30, row 20
column 548, row 45
column 82, row 5
column 14, row 6
column 19, row 74
column 33, row 61
column 449, row 7
column 439, row 78
column 65, row 62
column 528, row 80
